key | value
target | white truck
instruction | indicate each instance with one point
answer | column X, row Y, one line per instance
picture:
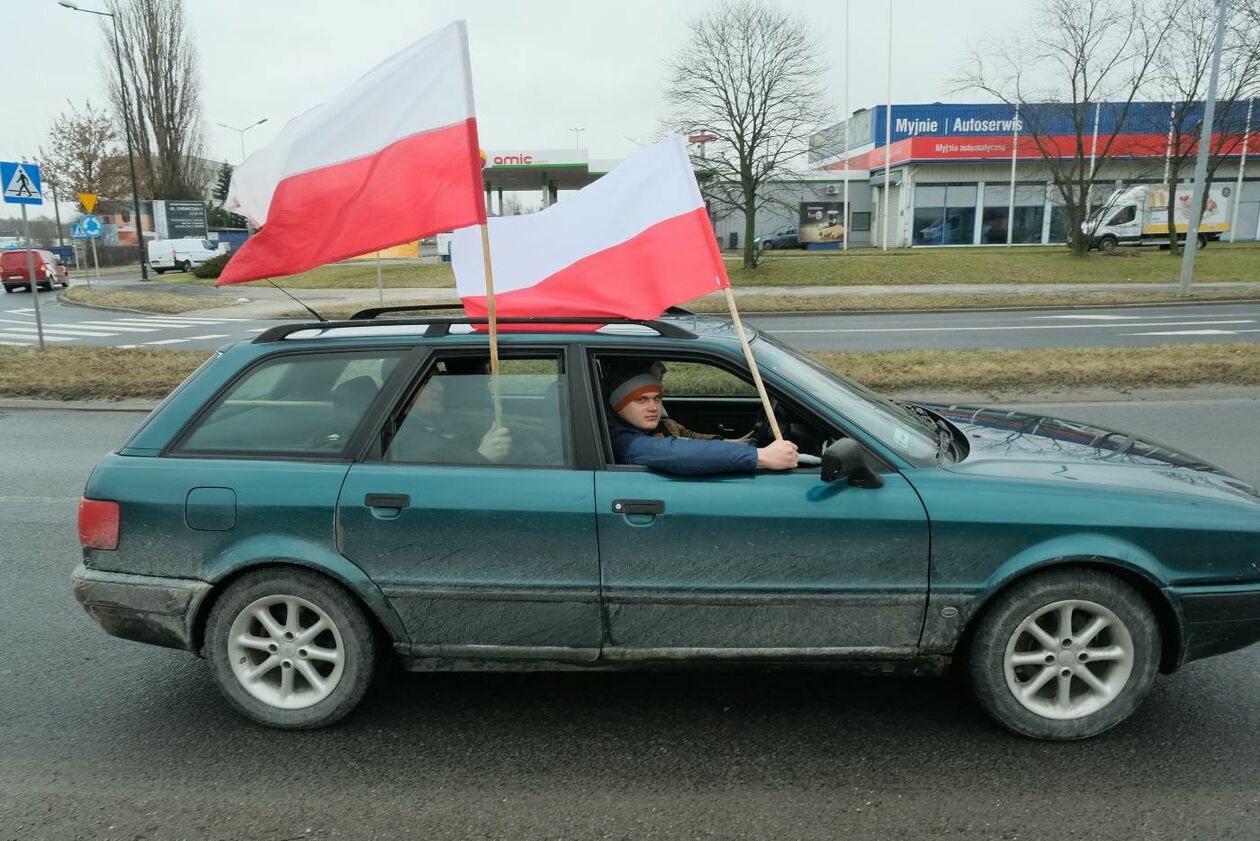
column 1139, row 216
column 182, row 254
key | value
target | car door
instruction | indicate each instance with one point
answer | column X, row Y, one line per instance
column 764, row 564
column 483, row 553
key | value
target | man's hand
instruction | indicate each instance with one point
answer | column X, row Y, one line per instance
column 778, row 455
column 496, row 444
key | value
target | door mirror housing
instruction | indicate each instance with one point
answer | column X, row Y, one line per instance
column 847, row 458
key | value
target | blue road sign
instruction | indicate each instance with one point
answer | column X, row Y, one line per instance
column 91, row 225
column 21, row 183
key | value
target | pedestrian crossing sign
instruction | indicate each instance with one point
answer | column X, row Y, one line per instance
column 21, row 183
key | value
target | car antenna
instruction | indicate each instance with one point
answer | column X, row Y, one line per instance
column 304, row 306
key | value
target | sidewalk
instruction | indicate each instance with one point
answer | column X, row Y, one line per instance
column 268, row 302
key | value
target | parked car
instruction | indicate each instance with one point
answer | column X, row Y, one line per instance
column 312, row 497
column 16, row 273
column 782, row 238
column 182, row 254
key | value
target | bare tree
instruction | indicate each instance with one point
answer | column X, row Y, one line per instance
column 160, row 65
column 1182, row 79
column 81, row 156
column 1087, row 59
column 749, row 78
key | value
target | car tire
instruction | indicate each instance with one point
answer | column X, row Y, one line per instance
column 1107, row 244
column 263, row 673
column 159, row 271
column 1041, row 678
column 8, row 289
column 1201, row 243
column 185, row 266
column 47, row 286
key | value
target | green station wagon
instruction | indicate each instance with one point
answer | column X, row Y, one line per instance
column 319, row 496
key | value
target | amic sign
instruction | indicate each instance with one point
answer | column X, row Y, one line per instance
column 21, row 183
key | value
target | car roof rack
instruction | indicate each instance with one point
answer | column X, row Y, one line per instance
column 441, row 325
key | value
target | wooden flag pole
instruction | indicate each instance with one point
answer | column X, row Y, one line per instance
column 752, row 366
column 494, row 328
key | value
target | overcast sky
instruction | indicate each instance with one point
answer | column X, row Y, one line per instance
column 540, row 67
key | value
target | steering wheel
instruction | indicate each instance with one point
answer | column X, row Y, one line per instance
column 762, row 434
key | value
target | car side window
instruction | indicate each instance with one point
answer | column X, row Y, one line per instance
column 448, row 418
column 293, row 405
column 1126, row 215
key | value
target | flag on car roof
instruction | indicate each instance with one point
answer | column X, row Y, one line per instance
column 392, row 158
column 630, row 245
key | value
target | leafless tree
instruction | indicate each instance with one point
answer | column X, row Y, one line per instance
column 1184, row 67
column 160, row 66
column 81, row 156
column 1082, row 57
column 749, row 77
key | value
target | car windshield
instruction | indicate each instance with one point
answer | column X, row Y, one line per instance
column 895, row 426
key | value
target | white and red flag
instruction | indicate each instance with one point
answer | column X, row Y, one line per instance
column 630, row 245
column 392, row 158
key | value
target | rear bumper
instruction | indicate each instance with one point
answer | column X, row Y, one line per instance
column 144, row 608
column 1219, row 621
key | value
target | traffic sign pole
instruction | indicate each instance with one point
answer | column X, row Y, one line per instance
column 96, row 264
column 30, row 275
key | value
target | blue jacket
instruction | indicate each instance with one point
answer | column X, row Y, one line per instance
column 682, row 456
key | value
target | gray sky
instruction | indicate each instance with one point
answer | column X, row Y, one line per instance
column 540, row 67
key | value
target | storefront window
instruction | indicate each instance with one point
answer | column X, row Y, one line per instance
column 944, row 215
column 1029, row 212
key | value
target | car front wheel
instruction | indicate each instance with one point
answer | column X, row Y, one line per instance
column 1065, row 654
column 185, row 267
column 290, row 648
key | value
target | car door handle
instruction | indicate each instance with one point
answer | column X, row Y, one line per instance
column 638, row 506
column 387, row 500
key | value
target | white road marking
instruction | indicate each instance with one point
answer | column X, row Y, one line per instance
column 127, row 347
column 1186, row 333
column 31, row 339
column 29, row 311
column 258, row 330
column 184, row 320
column 211, row 336
column 53, row 329
column 167, row 342
column 1090, row 317
column 115, row 326
column 1004, row 327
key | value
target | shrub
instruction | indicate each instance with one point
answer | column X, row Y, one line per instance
column 212, row 267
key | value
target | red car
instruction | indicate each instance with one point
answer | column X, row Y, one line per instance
column 48, row 270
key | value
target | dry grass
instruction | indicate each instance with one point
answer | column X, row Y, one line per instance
column 350, row 275
column 162, row 302
column 946, row 301
column 1235, row 363
column 85, row 373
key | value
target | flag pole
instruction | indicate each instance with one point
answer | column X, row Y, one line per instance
column 493, row 324
column 752, row 366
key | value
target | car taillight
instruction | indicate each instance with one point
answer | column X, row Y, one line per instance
column 98, row 524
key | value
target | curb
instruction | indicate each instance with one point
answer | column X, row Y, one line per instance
column 79, row 405
column 72, row 303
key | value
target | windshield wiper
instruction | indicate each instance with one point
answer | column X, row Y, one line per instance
column 944, row 432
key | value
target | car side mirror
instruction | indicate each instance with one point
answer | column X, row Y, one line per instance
column 847, row 458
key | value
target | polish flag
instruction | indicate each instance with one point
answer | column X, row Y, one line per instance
column 392, row 158
column 630, row 245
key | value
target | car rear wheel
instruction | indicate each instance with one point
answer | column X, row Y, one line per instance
column 185, row 266
column 159, row 271
column 290, row 649
column 1065, row 655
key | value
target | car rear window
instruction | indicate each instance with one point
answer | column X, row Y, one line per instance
column 306, row 405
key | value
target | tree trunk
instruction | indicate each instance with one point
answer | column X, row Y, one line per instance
column 57, row 214
column 750, row 228
column 1171, row 186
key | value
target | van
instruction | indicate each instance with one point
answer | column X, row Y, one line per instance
column 182, row 254
column 1139, row 216
column 48, row 269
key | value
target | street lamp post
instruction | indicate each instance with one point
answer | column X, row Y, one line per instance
column 577, row 137
column 131, row 156
column 242, row 131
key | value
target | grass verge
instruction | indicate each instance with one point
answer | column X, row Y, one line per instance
column 1032, row 264
column 163, row 302
column 116, row 374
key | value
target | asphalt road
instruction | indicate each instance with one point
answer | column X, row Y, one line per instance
column 65, row 324
column 102, row 738
column 1100, row 327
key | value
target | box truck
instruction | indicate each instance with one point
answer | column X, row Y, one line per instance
column 1139, row 216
